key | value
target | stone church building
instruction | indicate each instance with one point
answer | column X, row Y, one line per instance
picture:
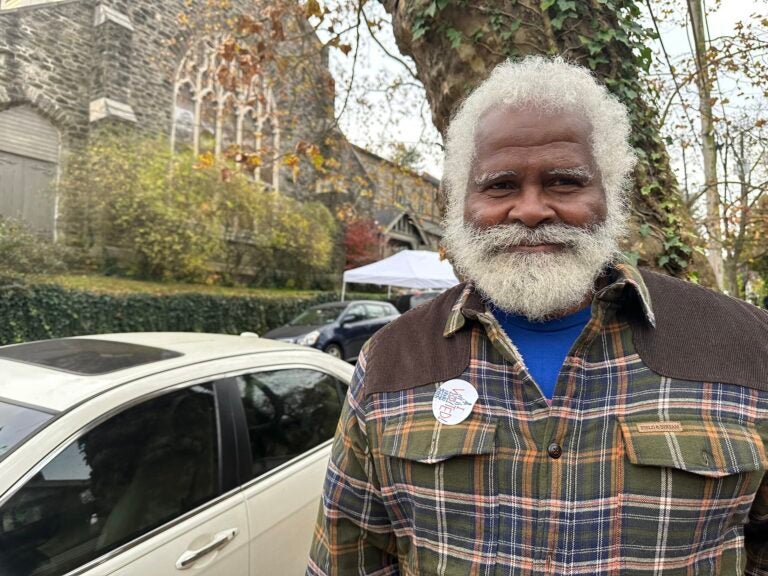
column 69, row 68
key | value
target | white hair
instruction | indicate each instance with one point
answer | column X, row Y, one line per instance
column 549, row 86
column 539, row 286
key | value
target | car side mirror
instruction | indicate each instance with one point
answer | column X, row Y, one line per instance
column 349, row 318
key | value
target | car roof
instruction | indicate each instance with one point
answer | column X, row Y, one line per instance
column 55, row 389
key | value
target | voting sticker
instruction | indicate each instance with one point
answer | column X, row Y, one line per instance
column 453, row 401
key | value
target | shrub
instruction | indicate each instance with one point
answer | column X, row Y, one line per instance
column 37, row 312
column 277, row 239
column 22, row 251
column 361, row 242
column 182, row 217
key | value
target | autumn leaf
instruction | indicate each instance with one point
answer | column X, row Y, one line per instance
column 204, row 161
column 314, row 9
column 253, row 161
column 227, row 50
column 315, row 156
column 291, row 160
column 277, row 24
column 222, row 74
column 247, row 26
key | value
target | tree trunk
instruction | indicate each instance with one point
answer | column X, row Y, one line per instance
column 735, row 241
column 456, row 43
column 708, row 144
column 731, row 278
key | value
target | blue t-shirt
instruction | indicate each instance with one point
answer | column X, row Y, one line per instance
column 543, row 345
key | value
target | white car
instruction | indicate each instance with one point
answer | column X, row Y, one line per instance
column 150, row 454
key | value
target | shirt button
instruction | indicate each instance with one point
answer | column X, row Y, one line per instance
column 555, row 450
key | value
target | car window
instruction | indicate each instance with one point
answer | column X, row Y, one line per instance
column 18, row 422
column 288, row 412
column 134, row 472
column 388, row 310
column 375, row 311
column 356, row 310
column 316, row 316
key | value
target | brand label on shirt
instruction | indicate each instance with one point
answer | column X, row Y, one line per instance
column 660, row 427
column 453, row 401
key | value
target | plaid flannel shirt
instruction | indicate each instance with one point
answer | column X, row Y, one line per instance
column 657, row 476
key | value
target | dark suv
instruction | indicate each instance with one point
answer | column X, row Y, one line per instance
column 339, row 328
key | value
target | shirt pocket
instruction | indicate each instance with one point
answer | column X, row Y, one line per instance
column 422, row 438
column 440, row 484
column 689, row 479
column 699, row 447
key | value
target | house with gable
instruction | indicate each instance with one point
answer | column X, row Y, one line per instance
column 404, row 204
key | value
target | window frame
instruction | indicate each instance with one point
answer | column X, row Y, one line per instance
column 245, row 460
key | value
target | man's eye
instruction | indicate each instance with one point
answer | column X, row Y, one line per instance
column 497, row 187
column 566, row 182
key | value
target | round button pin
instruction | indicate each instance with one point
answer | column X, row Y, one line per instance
column 555, row 450
column 453, row 401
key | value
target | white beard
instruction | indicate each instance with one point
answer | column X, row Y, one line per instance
column 535, row 285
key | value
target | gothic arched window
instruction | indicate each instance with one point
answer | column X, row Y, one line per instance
column 215, row 99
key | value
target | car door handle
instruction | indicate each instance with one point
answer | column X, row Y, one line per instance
column 219, row 541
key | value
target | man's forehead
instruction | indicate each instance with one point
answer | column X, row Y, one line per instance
column 527, row 126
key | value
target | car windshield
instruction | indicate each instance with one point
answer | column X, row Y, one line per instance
column 17, row 423
column 317, row 316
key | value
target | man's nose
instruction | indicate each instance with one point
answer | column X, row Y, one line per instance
column 531, row 207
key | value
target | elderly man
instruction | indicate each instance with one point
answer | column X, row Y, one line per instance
column 561, row 412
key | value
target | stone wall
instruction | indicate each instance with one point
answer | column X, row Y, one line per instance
column 46, row 60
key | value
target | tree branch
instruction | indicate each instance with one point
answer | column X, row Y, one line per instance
column 384, row 49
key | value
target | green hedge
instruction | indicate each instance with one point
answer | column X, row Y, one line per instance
column 40, row 311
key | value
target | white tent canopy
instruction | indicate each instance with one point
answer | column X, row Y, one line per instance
column 406, row 269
